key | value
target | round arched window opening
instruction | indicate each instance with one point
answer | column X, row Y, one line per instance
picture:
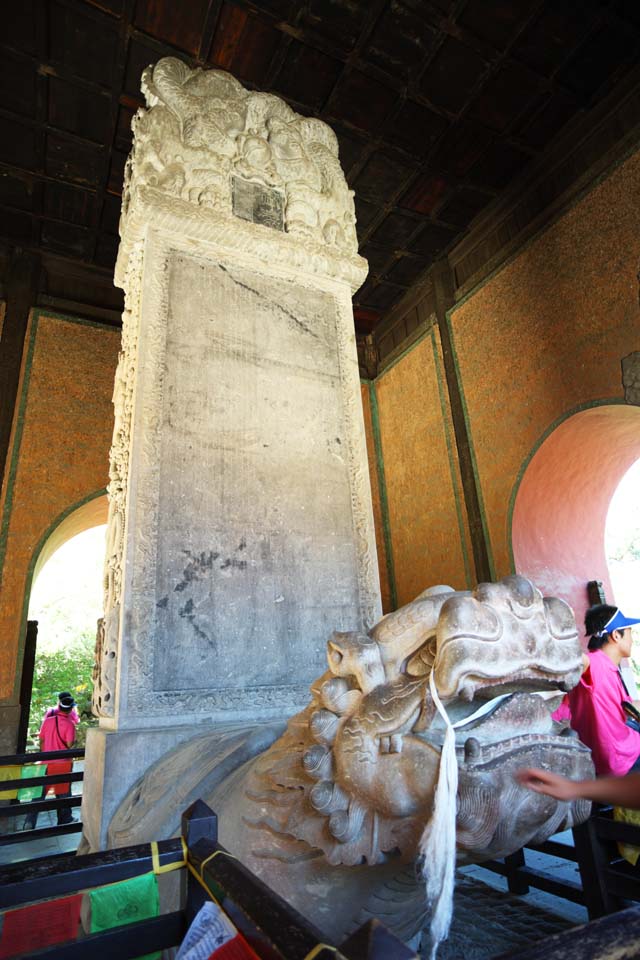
column 562, row 502
column 66, row 600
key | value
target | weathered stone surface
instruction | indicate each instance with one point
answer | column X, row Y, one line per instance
column 201, row 134
column 341, row 801
column 240, row 525
column 110, row 758
column 257, row 558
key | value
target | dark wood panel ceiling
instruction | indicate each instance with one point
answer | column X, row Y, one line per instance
column 437, row 104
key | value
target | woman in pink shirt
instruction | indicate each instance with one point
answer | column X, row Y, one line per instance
column 596, row 702
column 58, row 732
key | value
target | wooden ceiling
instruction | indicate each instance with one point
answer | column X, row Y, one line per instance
column 437, row 104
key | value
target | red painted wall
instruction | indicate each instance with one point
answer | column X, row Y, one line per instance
column 562, row 502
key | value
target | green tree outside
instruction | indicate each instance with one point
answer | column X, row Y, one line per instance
column 66, row 601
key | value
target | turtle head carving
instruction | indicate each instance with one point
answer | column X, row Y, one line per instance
column 365, row 753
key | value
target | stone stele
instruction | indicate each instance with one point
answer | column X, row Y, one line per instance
column 240, row 523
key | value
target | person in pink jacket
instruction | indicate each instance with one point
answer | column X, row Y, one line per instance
column 58, row 732
column 596, row 703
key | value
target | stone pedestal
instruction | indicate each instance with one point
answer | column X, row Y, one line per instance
column 240, row 526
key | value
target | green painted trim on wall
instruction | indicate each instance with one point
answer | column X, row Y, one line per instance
column 401, row 356
column 32, row 564
column 606, row 402
column 36, row 315
column 17, row 441
column 81, row 321
column 472, row 452
column 561, row 212
column 452, row 461
column 382, row 489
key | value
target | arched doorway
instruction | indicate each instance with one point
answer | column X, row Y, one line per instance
column 54, row 596
column 561, row 503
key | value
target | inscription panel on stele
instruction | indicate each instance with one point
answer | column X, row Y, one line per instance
column 257, row 563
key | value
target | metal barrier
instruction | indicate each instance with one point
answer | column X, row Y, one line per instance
column 273, row 927
column 607, row 880
column 15, row 810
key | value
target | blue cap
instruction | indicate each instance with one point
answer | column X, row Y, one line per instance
column 619, row 622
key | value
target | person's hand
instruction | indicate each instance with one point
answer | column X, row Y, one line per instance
column 551, row 784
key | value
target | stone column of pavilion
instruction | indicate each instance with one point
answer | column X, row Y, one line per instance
column 241, row 529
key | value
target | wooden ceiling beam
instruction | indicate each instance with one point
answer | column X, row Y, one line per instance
column 22, row 284
column 208, row 30
column 41, row 34
column 39, row 217
column 47, row 66
column 118, row 80
column 23, row 173
column 42, row 126
column 379, row 39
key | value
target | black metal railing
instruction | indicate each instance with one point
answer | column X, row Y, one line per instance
column 607, row 880
column 17, row 812
column 259, row 914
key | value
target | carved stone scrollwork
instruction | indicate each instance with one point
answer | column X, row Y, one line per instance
column 104, row 668
column 121, row 442
column 104, row 671
column 202, row 131
column 96, row 674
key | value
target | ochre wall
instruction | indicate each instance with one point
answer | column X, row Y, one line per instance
column 537, row 343
column 59, row 456
column 544, row 338
column 425, row 515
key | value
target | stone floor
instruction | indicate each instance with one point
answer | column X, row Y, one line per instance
column 489, row 921
column 42, row 847
column 45, row 846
